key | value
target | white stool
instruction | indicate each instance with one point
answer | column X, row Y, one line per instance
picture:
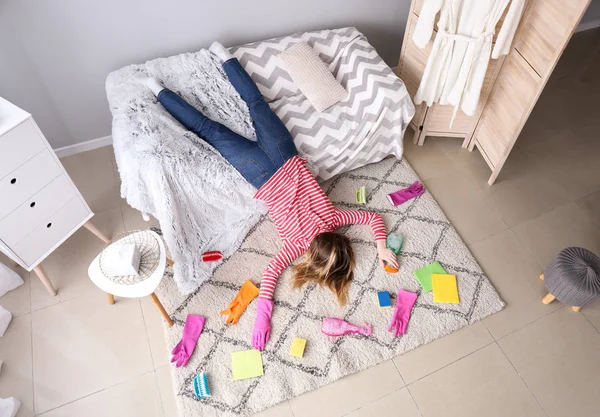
column 141, row 289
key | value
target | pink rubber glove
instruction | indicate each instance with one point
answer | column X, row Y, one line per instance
column 191, row 332
column 404, row 305
column 262, row 325
column 401, row 196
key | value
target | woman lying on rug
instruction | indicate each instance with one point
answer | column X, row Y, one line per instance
column 302, row 213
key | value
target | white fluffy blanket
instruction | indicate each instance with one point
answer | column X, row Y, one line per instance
column 202, row 203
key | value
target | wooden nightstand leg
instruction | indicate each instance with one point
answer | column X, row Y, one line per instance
column 96, row 231
column 548, row 298
column 44, row 278
column 542, row 277
column 111, row 298
column 576, row 309
column 162, row 310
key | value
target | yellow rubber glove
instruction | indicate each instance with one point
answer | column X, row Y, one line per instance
column 247, row 293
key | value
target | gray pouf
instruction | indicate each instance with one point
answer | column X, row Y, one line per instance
column 574, row 276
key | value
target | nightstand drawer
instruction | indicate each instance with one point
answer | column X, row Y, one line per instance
column 52, row 230
column 19, row 145
column 35, row 210
column 27, row 180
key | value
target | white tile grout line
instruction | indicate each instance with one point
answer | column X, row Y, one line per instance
column 522, row 379
column 581, row 208
column 528, row 324
column 414, row 401
column 162, row 404
column 32, row 363
column 289, row 407
column 406, row 385
column 383, row 396
column 398, row 370
column 100, row 390
column 450, row 363
column 29, row 284
column 588, row 319
column 146, row 331
column 476, row 188
column 524, row 244
column 371, row 402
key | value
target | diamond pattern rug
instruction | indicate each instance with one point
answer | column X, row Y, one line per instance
column 428, row 236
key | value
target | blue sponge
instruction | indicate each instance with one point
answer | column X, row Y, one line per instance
column 201, row 388
column 384, row 299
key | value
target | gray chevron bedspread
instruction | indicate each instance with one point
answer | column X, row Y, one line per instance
column 201, row 202
column 365, row 127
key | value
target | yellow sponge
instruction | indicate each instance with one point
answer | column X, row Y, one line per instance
column 445, row 289
column 298, row 345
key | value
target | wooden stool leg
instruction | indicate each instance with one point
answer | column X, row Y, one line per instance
column 170, row 261
column 111, row 298
column 576, row 309
column 44, row 278
column 162, row 310
column 548, row 298
column 542, row 277
column 96, row 231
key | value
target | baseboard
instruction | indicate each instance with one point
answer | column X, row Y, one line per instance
column 83, row 146
column 588, row 25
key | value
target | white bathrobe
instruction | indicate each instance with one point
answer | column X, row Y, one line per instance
column 461, row 50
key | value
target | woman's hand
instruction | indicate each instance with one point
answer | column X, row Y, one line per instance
column 386, row 255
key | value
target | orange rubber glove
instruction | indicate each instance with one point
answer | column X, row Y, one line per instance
column 247, row 293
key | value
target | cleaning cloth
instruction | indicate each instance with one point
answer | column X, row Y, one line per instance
column 402, row 196
column 9, row 279
column 423, row 275
column 9, row 407
column 5, row 318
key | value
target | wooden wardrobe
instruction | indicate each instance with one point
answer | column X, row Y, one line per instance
column 512, row 83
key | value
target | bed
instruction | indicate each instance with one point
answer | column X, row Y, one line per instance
column 201, row 202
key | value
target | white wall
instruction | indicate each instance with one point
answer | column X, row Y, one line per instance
column 55, row 54
column 21, row 84
column 60, row 51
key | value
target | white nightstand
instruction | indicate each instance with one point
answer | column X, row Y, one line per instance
column 40, row 207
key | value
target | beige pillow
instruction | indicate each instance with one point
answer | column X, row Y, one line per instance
column 312, row 76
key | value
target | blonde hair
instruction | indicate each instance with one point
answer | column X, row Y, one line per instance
column 329, row 262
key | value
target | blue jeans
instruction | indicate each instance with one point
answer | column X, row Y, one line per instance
column 256, row 161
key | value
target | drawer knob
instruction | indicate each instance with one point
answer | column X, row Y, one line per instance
column 32, row 204
column 49, row 225
column 13, row 180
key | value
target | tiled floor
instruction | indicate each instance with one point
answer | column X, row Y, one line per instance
column 75, row 355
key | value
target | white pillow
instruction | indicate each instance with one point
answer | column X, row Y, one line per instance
column 312, row 76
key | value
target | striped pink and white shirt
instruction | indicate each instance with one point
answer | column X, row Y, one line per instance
column 301, row 210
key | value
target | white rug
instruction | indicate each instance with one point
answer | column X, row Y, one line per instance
column 428, row 236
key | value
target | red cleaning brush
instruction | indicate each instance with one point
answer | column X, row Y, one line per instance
column 212, row 256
